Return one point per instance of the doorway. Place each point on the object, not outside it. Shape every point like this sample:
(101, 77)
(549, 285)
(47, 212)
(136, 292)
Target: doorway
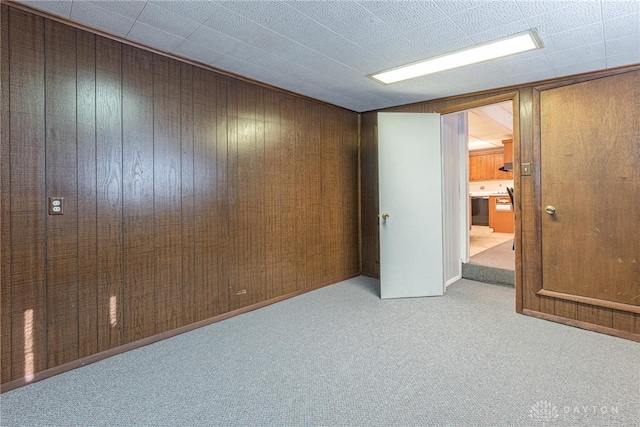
(490, 226)
(490, 142)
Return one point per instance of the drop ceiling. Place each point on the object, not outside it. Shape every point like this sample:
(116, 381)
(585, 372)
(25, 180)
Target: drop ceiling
(488, 126)
(325, 49)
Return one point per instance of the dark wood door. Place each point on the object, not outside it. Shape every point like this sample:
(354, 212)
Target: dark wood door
(590, 174)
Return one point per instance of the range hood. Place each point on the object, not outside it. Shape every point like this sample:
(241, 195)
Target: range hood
(508, 156)
(508, 167)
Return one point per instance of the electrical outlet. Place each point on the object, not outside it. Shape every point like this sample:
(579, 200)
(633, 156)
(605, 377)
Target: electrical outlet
(56, 205)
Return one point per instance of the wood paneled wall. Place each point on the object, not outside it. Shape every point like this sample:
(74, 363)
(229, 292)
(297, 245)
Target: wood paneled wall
(187, 194)
(528, 209)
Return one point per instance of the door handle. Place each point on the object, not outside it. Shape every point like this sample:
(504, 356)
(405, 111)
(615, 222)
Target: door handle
(551, 210)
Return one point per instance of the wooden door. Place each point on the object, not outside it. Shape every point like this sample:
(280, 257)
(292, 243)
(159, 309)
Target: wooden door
(590, 175)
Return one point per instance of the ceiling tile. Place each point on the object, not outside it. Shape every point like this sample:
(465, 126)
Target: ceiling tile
(453, 7)
(101, 19)
(239, 66)
(515, 66)
(191, 50)
(395, 51)
(624, 59)
(234, 25)
(58, 8)
(337, 70)
(578, 14)
(437, 32)
(622, 26)
(194, 10)
(541, 7)
(152, 36)
(129, 9)
(213, 40)
(622, 45)
(581, 67)
(349, 19)
(405, 16)
(616, 8)
(533, 75)
(167, 21)
(576, 56)
(499, 32)
(253, 55)
(487, 16)
(574, 38)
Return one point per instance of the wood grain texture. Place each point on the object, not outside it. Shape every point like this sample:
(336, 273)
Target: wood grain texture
(5, 201)
(484, 166)
(339, 186)
(625, 321)
(220, 86)
(178, 182)
(529, 220)
(87, 195)
(286, 175)
(582, 129)
(246, 228)
(312, 196)
(61, 180)
(206, 194)
(273, 196)
(27, 200)
(167, 178)
(595, 315)
(109, 193)
(138, 167)
(189, 296)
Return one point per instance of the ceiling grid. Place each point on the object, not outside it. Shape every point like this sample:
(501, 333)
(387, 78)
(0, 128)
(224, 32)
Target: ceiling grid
(326, 49)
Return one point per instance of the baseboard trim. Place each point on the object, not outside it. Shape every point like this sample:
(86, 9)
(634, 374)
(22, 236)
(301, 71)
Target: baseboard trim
(593, 301)
(583, 325)
(453, 279)
(48, 373)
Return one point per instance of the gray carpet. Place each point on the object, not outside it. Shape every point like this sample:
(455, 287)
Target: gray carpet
(500, 256)
(341, 356)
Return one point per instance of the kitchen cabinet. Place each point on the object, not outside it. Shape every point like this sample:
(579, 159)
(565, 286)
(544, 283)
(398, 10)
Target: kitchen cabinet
(483, 166)
(501, 214)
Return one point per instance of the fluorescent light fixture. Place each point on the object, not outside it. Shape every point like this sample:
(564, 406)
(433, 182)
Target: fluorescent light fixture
(517, 43)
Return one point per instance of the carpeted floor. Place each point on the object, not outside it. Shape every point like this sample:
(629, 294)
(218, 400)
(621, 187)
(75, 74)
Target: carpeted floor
(341, 356)
(500, 256)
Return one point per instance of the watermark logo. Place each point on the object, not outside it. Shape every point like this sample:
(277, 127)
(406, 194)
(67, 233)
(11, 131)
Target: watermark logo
(546, 412)
(543, 412)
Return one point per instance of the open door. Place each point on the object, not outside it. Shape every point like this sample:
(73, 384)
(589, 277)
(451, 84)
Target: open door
(410, 197)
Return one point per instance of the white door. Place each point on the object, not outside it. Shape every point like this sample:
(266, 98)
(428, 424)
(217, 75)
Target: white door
(410, 195)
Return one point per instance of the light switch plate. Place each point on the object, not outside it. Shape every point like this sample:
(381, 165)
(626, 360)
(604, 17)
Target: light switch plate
(525, 169)
(56, 205)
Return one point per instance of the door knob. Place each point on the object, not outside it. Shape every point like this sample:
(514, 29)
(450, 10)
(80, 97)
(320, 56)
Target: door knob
(551, 210)
(385, 216)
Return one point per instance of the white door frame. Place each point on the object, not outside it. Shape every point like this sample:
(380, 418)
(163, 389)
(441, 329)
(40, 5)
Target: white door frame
(464, 195)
